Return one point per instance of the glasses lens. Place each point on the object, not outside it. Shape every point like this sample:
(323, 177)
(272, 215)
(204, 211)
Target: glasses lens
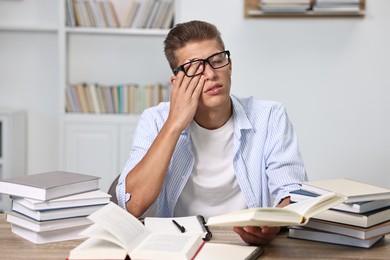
(191, 68)
(218, 60)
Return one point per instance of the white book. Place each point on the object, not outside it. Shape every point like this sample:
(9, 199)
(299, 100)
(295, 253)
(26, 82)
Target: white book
(321, 236)
(293, 214)
(49, 236)
(349, 230)
(353, 190)
(42, 215)
(96, 197)
(49, 185)
(41, 226)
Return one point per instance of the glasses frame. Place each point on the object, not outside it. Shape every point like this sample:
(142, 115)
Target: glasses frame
(181, 67)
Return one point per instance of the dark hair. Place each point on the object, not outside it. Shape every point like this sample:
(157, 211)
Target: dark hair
(183, 33)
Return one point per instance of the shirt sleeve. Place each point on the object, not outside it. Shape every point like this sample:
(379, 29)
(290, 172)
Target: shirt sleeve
(143, 139)
(284, 164)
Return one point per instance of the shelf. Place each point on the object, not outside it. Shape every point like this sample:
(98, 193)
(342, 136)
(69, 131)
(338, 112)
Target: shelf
(28, 28)
(116, 31)
(99, 118)
(259, 13)
(251, 10)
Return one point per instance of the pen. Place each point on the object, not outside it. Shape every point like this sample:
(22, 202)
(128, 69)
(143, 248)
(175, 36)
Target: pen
(180, 227)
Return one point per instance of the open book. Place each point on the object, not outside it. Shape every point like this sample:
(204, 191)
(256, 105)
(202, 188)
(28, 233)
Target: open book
(293, 214)
(116, 234)
(191, 224)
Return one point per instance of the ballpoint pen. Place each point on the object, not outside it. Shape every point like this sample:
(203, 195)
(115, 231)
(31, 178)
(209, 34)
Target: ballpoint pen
(180, 227)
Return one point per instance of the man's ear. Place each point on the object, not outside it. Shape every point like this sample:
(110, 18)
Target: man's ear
(173, 78)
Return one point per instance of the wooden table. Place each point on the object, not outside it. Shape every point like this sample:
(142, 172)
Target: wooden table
(13, 247)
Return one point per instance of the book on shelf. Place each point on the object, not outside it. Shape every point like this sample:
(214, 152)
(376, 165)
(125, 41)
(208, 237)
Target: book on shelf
(41, 226)
(293, 214)
(367, 219)
(88, 198)
(356, 207)
(116, 233)
(332, 238)
(49, 236)
(354, 191)
(349, 230)
(121, 98)
(284, 6)
(51, 214)
(49, 185)
(191, 224)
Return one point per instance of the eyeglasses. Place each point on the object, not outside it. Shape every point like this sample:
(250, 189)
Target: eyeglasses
(216, 61)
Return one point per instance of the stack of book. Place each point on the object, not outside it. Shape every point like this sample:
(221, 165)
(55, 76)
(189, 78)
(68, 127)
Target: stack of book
(284, 6)
(52, 206)
(344, 6)
(361, 221)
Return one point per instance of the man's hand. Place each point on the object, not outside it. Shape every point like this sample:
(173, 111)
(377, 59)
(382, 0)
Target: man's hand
(257, 235)
(185, 97)
(260, 235)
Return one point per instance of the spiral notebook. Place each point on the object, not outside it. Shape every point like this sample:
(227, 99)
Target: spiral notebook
(191, 224)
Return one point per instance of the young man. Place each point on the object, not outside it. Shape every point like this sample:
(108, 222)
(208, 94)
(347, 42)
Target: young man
(206, 151)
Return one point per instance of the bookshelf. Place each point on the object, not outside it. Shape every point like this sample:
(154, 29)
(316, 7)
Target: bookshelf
(90, 143)
(12, 148)
(99, 143)
(252, 10)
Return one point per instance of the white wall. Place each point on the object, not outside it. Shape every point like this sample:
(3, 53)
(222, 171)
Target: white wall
(29, 75)
(332, 74)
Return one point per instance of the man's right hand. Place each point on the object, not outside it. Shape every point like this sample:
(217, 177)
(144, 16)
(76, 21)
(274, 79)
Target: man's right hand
(185, 95)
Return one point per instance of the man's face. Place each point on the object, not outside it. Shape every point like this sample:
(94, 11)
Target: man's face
(216, 91)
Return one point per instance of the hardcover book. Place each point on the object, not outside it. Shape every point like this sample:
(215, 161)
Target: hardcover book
(353, 190)
(327, 237)
(49, 185)
(356, 207)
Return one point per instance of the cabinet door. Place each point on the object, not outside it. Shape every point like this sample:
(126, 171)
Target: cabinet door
(92, 149)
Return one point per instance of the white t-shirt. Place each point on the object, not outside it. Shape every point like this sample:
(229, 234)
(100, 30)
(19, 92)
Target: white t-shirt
(212, 189)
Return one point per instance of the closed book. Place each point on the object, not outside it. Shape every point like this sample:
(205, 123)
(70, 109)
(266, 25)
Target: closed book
(49, 185)
(332, 238)
(349, 230)
(356, 207)
(41, 226)
(353, 190)
(49, 236)
(88, 198)
(51, 214)
(365, 220)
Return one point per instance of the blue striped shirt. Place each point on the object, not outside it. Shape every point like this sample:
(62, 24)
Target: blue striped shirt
(266, 158)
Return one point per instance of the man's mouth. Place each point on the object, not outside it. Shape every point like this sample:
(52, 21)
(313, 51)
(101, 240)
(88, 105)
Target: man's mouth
(214, 87)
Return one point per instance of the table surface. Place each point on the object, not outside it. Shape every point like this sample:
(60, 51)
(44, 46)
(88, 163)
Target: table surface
(14, 247)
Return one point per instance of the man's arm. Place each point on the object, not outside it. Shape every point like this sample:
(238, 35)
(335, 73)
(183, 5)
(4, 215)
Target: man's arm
(145, 180)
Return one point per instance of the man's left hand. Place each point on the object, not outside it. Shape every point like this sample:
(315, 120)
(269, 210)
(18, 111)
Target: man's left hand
(257, 235)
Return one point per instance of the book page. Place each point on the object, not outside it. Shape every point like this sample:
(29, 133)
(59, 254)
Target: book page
(121, 224)
(97, 249)
(312, 206)
(167, 246)
(166, 226)
(211, 251)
